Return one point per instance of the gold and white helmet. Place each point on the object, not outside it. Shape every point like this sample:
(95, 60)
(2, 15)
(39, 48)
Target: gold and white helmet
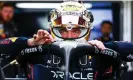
(71, 15)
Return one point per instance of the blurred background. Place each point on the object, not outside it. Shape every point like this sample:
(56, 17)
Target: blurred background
(31, 16)
(112, 20)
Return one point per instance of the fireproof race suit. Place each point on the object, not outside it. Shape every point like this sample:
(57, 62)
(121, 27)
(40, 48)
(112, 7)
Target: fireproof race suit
(49, 67)
(13, 45)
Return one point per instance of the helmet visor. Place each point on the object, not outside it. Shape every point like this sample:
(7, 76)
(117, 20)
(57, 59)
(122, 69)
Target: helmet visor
(70, 27)
(73, 33)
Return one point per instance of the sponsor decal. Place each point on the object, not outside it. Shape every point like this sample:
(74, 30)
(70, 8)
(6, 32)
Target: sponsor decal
(108, 52)
(71, 13)
(71, 7)
(13, 39)
(75, 75)
(32, 50)
(5, 41)
(8, 41)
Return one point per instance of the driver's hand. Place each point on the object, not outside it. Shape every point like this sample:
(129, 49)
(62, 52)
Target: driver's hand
(42, 37)
(97, 43)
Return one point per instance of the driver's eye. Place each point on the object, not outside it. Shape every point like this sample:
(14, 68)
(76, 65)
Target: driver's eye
(76, 31)
(63, 31)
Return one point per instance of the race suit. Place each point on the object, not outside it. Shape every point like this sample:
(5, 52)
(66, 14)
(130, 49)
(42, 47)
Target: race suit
(42, 67)
(49, 67)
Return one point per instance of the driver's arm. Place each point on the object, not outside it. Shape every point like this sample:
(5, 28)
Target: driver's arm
(13, 45)
(16, 44)
(124, 48)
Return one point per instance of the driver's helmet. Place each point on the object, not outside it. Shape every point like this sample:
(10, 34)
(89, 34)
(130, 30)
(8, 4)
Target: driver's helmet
(70, 20)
